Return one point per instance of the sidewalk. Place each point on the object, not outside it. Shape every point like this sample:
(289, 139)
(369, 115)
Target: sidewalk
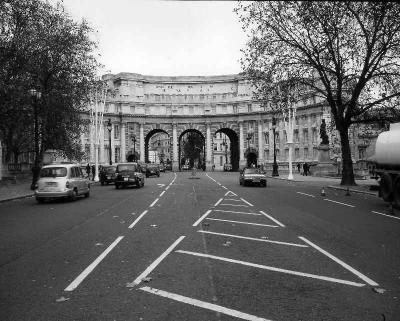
(21, 189)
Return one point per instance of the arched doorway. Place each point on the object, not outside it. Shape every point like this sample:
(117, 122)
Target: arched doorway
(251, 156)
(191, 152)
(161, 148)
(231, 157)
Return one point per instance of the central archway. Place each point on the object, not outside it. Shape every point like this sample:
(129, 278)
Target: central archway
(192, 151)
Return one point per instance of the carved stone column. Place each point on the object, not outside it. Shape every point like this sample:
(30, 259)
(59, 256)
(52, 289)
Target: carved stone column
(123, 148)
(260, 143)
(242, 160)
(141, 142)
(208, 147)
(175, 161)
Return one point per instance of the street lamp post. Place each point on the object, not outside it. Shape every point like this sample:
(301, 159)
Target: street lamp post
(109, 127)
(36, 95)
(274, 165)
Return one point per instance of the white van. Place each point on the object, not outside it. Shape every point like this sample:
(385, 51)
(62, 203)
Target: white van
(61, 180)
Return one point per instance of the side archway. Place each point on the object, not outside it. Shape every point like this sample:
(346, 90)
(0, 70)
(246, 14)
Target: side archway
(147, 140)
(234, 147)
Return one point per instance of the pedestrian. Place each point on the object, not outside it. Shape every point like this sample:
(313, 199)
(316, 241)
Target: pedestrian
(88, 170)
(305, 169)
(298, 167)
(93, 172)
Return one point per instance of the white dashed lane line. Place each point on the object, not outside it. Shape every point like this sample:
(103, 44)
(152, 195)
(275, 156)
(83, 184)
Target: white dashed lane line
(327, 199)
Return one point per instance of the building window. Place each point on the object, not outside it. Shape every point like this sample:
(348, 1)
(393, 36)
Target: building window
(266, 154)
(361, 152)
(249, 107)
(305, 136)
(116, 131)
(296, 153)
(315, 153)
(314, 135)
(286, 153)
(117, 155)
(220, 160)
(266, 138)
(191, 109)
(306, 153)
(296, 135)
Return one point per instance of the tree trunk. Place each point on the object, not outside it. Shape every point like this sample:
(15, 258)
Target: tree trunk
(347, 168)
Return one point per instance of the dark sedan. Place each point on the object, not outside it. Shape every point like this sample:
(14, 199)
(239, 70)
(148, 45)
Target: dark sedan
(152, 170)
(107, 174)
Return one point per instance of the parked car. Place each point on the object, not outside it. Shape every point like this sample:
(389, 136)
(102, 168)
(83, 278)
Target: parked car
(107, 174)
(152, 170)
(61, 181)
(162, 168)
(185, 167)
(168, 167)
(227, 167)
(128, 174)
(252, 176)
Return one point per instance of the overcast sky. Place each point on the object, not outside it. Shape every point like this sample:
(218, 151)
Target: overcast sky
(164, 38)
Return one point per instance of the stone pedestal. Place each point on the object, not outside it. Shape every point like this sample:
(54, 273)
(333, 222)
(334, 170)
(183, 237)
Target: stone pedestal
(325, 167)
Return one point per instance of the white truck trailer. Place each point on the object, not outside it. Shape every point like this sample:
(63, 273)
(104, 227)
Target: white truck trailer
(387, 164)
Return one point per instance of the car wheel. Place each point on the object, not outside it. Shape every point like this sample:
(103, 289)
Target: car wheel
(40, 200)
(74, 195)
(116, 186)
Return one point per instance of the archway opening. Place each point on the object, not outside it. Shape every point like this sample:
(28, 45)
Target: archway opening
(226, 149)
(192, 150)
(158, 147)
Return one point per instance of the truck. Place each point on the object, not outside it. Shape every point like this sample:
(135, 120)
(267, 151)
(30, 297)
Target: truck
(386, 164)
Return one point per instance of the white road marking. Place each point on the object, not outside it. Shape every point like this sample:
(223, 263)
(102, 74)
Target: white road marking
(232, 199)
(271, 268)
(153, 265)
(346, 266)
(92, 266)
(219, 201)
(327, 199)
(224, 187)
(202, 218)
(391, 216)
(252, 238)
(305, 194)
(230, 193)
(248, 213)
(138, 219)
(167, 188)
(240, 222)
(246, 202)
(202, 304)
(156, 200)
(161, 185)
(162, 193)
(226, 204)
(273, 219)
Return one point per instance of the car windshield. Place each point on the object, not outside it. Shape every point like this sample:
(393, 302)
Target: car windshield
(110, 169)
(252, 171)
(127, 167)
(53, 172)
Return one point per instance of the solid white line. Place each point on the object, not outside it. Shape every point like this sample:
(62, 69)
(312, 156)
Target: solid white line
(92, 266)
(252, 238)
(305, 194)
(232, 199)
(167, 188)
(391, 216)
(226, 204)
(224, 187)
(162, 194)
(202, 218)
(270, 268)
(240, 222)
(153, 265)
(273, 219)
(246, 202)
(202, 304)
(327, 199)
(219, 201)
(152, 204)
(138, 219)
(346, 266)
(248, 213)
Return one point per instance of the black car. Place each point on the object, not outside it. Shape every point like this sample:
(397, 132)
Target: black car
(107, 174)
(152, 170)
(129, 174)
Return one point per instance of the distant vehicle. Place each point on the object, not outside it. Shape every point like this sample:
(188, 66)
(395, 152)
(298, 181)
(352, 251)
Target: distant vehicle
(61, 181)
(386, 164)
(227, 167)
(129, 174)
(107, 174)
(168, 167)
(185, 167)
(252, 176)
(152, 170)
(162, 168)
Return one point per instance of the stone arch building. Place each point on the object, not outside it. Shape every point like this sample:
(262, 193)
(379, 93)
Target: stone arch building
(144, 105)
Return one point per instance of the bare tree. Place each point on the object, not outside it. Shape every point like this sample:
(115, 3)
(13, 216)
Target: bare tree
(344, 52)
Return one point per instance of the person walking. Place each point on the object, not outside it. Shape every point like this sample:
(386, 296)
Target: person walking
(88, 170)
(93, 172)
(298, 167)
(305, 169)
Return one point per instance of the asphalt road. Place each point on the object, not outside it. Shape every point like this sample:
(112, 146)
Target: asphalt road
(201, 248)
